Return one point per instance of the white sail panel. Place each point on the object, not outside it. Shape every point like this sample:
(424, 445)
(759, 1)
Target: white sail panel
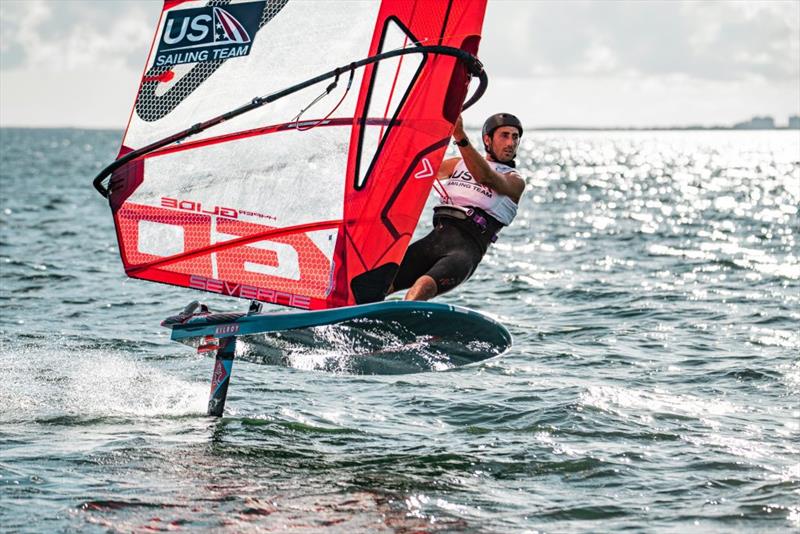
(284, 50)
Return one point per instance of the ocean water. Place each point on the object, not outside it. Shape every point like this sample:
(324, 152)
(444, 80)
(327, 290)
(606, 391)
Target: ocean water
(651, 282)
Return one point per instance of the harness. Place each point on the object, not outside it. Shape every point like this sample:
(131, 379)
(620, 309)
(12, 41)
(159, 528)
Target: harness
(486, 225)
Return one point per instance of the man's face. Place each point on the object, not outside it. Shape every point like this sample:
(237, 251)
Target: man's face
(504, 143)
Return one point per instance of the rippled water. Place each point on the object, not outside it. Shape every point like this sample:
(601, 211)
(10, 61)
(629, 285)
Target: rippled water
(651, 283)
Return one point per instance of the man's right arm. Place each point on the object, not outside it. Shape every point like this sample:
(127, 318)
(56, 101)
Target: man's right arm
(509, 184)
(447, 167)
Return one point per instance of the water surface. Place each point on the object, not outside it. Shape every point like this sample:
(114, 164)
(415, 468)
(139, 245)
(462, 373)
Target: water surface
(651, 283)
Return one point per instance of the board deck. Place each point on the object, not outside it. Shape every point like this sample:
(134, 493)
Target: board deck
(395, 337)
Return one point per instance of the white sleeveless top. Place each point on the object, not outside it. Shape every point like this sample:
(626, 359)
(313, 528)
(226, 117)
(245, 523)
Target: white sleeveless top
(463, 191)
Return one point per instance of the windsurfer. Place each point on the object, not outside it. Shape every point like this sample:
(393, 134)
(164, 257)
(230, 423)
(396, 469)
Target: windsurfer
(480, 197)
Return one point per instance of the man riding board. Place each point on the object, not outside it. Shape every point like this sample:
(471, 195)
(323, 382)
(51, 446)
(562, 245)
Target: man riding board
(480, 197)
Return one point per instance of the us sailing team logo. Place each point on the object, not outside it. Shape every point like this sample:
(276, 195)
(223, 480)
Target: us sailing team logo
(206, 36)
(208, 33)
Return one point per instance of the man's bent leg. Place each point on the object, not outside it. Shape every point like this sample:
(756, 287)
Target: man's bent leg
(419, 257)
(423, 289)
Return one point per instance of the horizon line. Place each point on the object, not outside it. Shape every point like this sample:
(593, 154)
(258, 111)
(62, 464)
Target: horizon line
(472, 127)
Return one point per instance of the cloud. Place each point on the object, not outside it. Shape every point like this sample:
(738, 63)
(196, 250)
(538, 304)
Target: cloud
(65, 36)
(71, 63)
(595, 63)
(702, 40)
(662, 101)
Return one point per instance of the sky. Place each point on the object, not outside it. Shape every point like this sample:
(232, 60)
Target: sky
(573, 63)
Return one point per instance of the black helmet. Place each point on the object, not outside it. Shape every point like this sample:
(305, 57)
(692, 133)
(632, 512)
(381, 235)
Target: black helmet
(501, 119)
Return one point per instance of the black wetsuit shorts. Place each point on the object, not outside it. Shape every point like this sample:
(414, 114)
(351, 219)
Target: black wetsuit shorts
(449, 255)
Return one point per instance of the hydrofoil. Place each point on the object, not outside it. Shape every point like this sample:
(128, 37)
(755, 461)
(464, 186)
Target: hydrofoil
(394, 337)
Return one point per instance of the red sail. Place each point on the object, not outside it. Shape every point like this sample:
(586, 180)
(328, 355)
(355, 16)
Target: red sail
(313, 211)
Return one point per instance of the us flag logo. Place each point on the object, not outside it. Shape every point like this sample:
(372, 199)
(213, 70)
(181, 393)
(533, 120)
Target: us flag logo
(210, 33)
(227, 28)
